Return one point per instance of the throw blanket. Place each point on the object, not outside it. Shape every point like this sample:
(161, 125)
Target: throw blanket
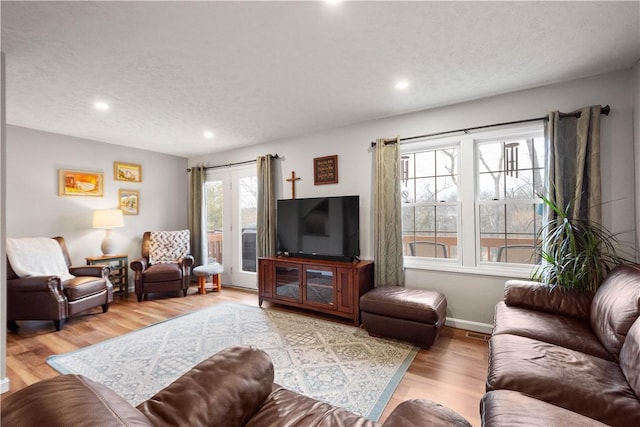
(168, 246)
(37, 256)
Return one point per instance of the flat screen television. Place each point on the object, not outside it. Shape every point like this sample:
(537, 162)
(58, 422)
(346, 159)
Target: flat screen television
(320, 227)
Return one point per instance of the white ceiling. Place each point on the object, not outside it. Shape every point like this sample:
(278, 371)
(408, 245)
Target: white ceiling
(254, 72)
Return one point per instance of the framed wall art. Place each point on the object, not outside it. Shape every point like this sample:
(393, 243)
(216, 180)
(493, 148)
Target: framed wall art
(325, 170)
(127, 172)
(80, 183)
(129, 202)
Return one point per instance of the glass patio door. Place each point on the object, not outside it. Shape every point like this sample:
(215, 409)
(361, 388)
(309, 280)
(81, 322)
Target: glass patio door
(231, 208)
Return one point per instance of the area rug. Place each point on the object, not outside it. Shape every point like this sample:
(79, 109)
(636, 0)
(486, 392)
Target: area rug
(335, 363)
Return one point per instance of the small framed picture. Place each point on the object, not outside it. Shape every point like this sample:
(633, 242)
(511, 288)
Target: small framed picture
(79, 183)
(325, 170)
(129, 201)
(127, 172)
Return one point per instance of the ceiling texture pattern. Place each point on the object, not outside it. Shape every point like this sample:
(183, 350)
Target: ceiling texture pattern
(254, 72)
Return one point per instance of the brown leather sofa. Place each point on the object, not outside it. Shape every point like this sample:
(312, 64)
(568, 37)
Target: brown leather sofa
(232, 388)
(49, 298)
(558, 359)
(166, 277)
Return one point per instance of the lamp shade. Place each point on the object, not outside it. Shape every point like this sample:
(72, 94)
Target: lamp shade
(108, 218)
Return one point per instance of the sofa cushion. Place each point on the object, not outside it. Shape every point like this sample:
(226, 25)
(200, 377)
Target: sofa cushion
(616, 305)
(586, 384)
(630, 357)
(420, 412)
(565, 331)
(168, 246)
(69, 400)
(506, 408)
(162, 273)
(286, 408)
(226, 389)
(83, 286)
(543, 297)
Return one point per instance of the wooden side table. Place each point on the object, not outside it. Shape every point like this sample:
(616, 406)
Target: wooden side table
(119, 264)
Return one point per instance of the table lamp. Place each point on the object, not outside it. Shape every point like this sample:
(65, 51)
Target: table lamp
(108, 219)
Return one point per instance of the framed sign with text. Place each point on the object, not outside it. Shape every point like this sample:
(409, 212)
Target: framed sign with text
(325, 170)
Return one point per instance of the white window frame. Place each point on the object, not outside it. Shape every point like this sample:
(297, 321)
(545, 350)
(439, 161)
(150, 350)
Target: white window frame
(435, 145)
(468, 207)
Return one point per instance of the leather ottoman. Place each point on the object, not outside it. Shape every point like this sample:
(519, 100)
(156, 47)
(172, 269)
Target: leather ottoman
(406, 314)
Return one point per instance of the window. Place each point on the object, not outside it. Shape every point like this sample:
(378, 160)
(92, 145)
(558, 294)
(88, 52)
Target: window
(510, 175)
(430, 203)
(214, 205)
(472, 201)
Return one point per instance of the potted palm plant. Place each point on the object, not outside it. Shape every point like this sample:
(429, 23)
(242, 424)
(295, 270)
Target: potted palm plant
(574, 253)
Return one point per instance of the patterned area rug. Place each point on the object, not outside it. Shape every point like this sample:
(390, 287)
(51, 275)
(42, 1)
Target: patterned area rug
(338, 364)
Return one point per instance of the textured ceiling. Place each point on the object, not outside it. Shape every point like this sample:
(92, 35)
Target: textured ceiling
(254, 72)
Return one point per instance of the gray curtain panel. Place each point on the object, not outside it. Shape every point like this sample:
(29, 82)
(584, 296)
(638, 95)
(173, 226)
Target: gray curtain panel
(387, 227)
(266, 222)
(197, 226)
(574, 163)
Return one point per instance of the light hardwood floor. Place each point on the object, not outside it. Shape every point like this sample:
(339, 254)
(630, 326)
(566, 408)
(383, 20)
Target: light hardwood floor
(452, 372)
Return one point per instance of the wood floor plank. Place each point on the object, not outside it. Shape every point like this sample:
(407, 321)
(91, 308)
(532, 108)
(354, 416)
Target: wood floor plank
(452, 372)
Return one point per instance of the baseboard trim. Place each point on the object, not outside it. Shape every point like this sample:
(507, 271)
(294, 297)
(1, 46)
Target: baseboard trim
(4, 385)
(469, 325)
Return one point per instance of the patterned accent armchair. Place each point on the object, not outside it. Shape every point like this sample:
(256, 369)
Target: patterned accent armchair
(52, 298)
(165, 264)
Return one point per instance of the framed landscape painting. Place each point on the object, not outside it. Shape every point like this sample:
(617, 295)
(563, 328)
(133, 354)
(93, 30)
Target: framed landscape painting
(127, 172)
(129, 202)
(80, 183)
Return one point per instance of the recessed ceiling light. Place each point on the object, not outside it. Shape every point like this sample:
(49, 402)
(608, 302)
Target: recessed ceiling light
(402, 84)
(101, 105)
(208, 134)
(333, 1)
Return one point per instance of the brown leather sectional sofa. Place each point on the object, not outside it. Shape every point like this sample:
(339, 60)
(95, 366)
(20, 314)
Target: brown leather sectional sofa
(232, 388)
(558, 359)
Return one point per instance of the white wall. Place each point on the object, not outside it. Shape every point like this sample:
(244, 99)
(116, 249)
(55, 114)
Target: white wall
(35, 209)
(470, 297)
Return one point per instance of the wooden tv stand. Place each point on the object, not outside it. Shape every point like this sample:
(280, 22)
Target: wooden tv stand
(331, 287)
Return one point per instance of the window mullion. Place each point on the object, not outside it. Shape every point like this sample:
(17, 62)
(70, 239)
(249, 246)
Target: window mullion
(466, 248)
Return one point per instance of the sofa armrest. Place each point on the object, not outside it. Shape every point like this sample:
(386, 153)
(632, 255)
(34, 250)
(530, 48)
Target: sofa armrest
(543, 297)
(36, 297)
(139, 265)
(69, 400)
(226, 389)
(418, 412)
(187, 261)
(91, 270)
(185, 265)
(34, 284)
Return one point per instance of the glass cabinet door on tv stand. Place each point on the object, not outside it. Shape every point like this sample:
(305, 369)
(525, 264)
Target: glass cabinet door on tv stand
(318, 283)
(287, 282)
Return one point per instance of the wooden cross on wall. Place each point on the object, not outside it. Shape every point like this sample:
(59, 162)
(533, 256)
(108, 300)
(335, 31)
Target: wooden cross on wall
(293, 180)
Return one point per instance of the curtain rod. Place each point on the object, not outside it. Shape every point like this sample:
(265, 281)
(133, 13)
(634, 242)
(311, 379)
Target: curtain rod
(275, 156)
(604, 110)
